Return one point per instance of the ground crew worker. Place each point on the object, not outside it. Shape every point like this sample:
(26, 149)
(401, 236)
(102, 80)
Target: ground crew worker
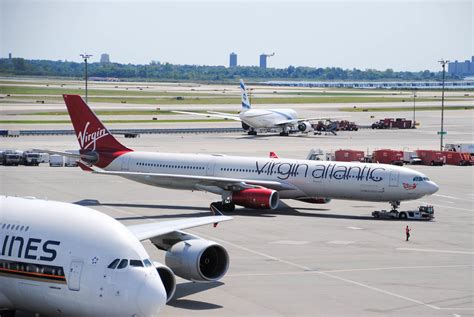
(407, 231)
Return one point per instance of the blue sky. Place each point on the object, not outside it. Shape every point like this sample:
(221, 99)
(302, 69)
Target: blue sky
(402, 35)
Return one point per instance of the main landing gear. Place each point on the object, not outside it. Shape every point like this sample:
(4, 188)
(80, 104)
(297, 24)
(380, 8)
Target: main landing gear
(223, 206)
(400, 214)
(252, 132)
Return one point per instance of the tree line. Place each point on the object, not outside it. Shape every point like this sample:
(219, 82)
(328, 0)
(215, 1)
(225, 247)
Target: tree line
(156, 71)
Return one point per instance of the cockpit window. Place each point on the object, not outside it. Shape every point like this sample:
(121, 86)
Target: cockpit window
(136, 263)
(113, 264)
(123, 264)
(420, 179)
(147, 263)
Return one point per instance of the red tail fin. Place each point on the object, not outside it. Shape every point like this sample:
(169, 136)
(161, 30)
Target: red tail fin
(91, 133)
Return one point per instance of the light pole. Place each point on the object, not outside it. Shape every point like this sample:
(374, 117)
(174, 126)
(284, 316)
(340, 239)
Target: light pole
(86, 57)
(414, 96)
(441, 133)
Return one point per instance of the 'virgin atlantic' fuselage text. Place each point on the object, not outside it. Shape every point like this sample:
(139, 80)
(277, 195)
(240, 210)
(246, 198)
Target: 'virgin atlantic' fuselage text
(320, 171)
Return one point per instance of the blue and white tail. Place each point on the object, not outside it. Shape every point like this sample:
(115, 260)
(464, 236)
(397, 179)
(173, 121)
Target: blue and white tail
(245, 99)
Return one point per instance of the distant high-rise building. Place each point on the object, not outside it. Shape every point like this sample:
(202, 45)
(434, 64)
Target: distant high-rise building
(233, 60)
(104, 58)
(263, 59)
(461, 68)
(9, 55)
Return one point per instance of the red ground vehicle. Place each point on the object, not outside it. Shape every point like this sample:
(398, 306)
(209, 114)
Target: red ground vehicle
(349, 155)
(386, 156)
(431, 157)
(458, 158)
(345, 125)
(389, 123)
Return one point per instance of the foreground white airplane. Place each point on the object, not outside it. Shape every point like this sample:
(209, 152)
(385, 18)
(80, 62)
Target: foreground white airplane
(253, 182)
(61, 259)
(254, 119)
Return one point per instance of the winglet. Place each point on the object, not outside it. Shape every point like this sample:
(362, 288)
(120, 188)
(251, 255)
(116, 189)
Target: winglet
(214, 211)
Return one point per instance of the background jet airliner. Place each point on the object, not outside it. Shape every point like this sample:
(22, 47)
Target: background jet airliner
(254, 119)
(252, 182)
(61, 259)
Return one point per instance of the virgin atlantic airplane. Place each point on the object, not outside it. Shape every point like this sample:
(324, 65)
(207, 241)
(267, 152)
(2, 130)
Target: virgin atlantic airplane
(252, 182)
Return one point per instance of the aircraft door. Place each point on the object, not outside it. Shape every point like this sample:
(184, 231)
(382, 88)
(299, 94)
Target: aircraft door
(75, 272)
(393, 182)
(210, 168)
(125, 162)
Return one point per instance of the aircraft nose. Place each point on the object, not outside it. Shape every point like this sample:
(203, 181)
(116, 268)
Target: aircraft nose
(151, 297)
(432, 188)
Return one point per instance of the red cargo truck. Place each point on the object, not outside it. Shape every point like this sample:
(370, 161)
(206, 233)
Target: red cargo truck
(386, 156)
(431, 157)
(458, 158)
(349, 155)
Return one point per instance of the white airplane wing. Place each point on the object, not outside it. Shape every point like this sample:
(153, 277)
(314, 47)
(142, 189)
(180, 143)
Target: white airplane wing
(212, 114)
(231, 184)
(150, 230)
(296, 121)
(67, 154)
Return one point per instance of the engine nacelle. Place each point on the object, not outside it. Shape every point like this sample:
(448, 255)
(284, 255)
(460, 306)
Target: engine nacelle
(256, 198)
(305, 126)
(315, 200)
(167, 278)
(198, 260)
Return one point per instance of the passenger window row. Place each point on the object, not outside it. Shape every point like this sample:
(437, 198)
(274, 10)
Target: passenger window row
(6, 226)
(171, 166)
(225, 169)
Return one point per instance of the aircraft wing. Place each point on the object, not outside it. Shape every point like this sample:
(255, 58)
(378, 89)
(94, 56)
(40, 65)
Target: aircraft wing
(296, 121)
(200, 182)
(67, 154)
(212, 114)
(150, 230)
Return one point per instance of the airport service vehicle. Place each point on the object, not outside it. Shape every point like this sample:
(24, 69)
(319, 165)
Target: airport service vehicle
(390, 123)
(422, 213)
(60, 259)
(410, 157)
(285, 120)
(386, 156)
(349, 155)
(431, 157)
(30, 158)
(460, 147)
(56, 160)
(44, 158)
(11, 159)
(458, 158)
(252, 182)
(345, 125)
(71, 161)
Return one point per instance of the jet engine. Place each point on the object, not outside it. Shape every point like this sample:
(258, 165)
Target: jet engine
(315, 200)
(198, 260)
(256, 198)
(167, 278)
(305, 126)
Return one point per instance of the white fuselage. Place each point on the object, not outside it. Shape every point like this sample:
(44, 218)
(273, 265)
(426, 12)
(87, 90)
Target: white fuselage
(54, 261)
(267, 118)
(308, 179)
